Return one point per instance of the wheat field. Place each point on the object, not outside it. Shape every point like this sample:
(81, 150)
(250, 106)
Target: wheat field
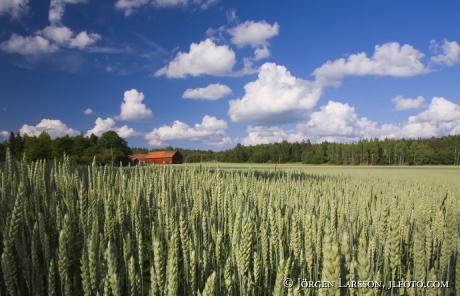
(211, 230)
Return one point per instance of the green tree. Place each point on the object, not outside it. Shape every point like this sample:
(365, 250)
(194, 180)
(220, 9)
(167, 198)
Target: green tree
(308, 154)
(320, 153)
(79, 146)
(61, 146)
(239, 154)
(42, 149)
(3, 147)
(113, 149)
(16, 145)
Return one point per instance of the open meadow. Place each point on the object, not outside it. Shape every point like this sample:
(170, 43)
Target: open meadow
(228, 229)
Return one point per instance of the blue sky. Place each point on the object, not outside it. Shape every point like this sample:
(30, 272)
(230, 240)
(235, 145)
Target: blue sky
(209, 74)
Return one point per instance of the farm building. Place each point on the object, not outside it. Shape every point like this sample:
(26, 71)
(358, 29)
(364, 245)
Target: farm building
(158, 157)
(138, 158)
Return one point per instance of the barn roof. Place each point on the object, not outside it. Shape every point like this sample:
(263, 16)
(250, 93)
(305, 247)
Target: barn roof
(138, 156)
(161, 154)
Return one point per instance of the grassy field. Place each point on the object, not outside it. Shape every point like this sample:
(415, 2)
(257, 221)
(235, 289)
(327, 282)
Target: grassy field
(436, 172)
(228, 229)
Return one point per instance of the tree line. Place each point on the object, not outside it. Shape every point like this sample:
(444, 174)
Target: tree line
(389, 151)
(110, 148)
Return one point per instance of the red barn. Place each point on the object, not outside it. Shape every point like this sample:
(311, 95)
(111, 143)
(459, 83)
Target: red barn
(138, 158)
(164, 157)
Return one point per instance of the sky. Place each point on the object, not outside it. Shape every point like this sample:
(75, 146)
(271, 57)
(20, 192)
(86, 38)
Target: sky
(209, 74)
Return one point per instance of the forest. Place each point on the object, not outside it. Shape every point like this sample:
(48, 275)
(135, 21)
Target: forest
(110, 148)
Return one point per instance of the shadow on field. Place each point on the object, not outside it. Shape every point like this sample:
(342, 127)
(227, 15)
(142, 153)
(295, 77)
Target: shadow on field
(279, 175)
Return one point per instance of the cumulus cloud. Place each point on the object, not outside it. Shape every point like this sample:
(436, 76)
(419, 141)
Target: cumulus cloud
(54, 127)
(104, 125)
(88, 111)
(265, 134)
(61, 34)
(405, 104)
(15, 8)
(129, 6)
(440, 110)
(389, 59)
(126, 132)
(57, 9)
(84, 39)
(275, 97)
(253, 33)
(203, 58)
(441, 118)
(205, 4)
(339, 122)
(168, 3)
(261, 53)
(231, 15)
(48, 40)
(211, 92)
(4, 134)
(133, 109)
(52, 37)
(450, 55)
(29, 45)
(211, 131)
(58, 34)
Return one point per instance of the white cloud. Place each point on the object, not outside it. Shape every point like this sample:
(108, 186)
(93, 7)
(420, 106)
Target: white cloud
(105, 125)
(15, 8)
(57, 9)
(275, 97)
(211, 132)
(231, 15)
(33, 45)
(253, 33)
(339, 122)
(55, 128)
(4, 134)
(126, 132)
(405, 104)
(441, 118)
(28, 45)
(248, 68)
(440, 110)
(88, 111)
(51, 37)
(261, 53)
(205, 4)
(211, 92)
(129, 6)
(389, 59)
(264, 135)
(334, 119)
(204, 58)
(83, 39)
(450, 55)
(59, 34)
(169, 3)
(132, 108)
(102, 126)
